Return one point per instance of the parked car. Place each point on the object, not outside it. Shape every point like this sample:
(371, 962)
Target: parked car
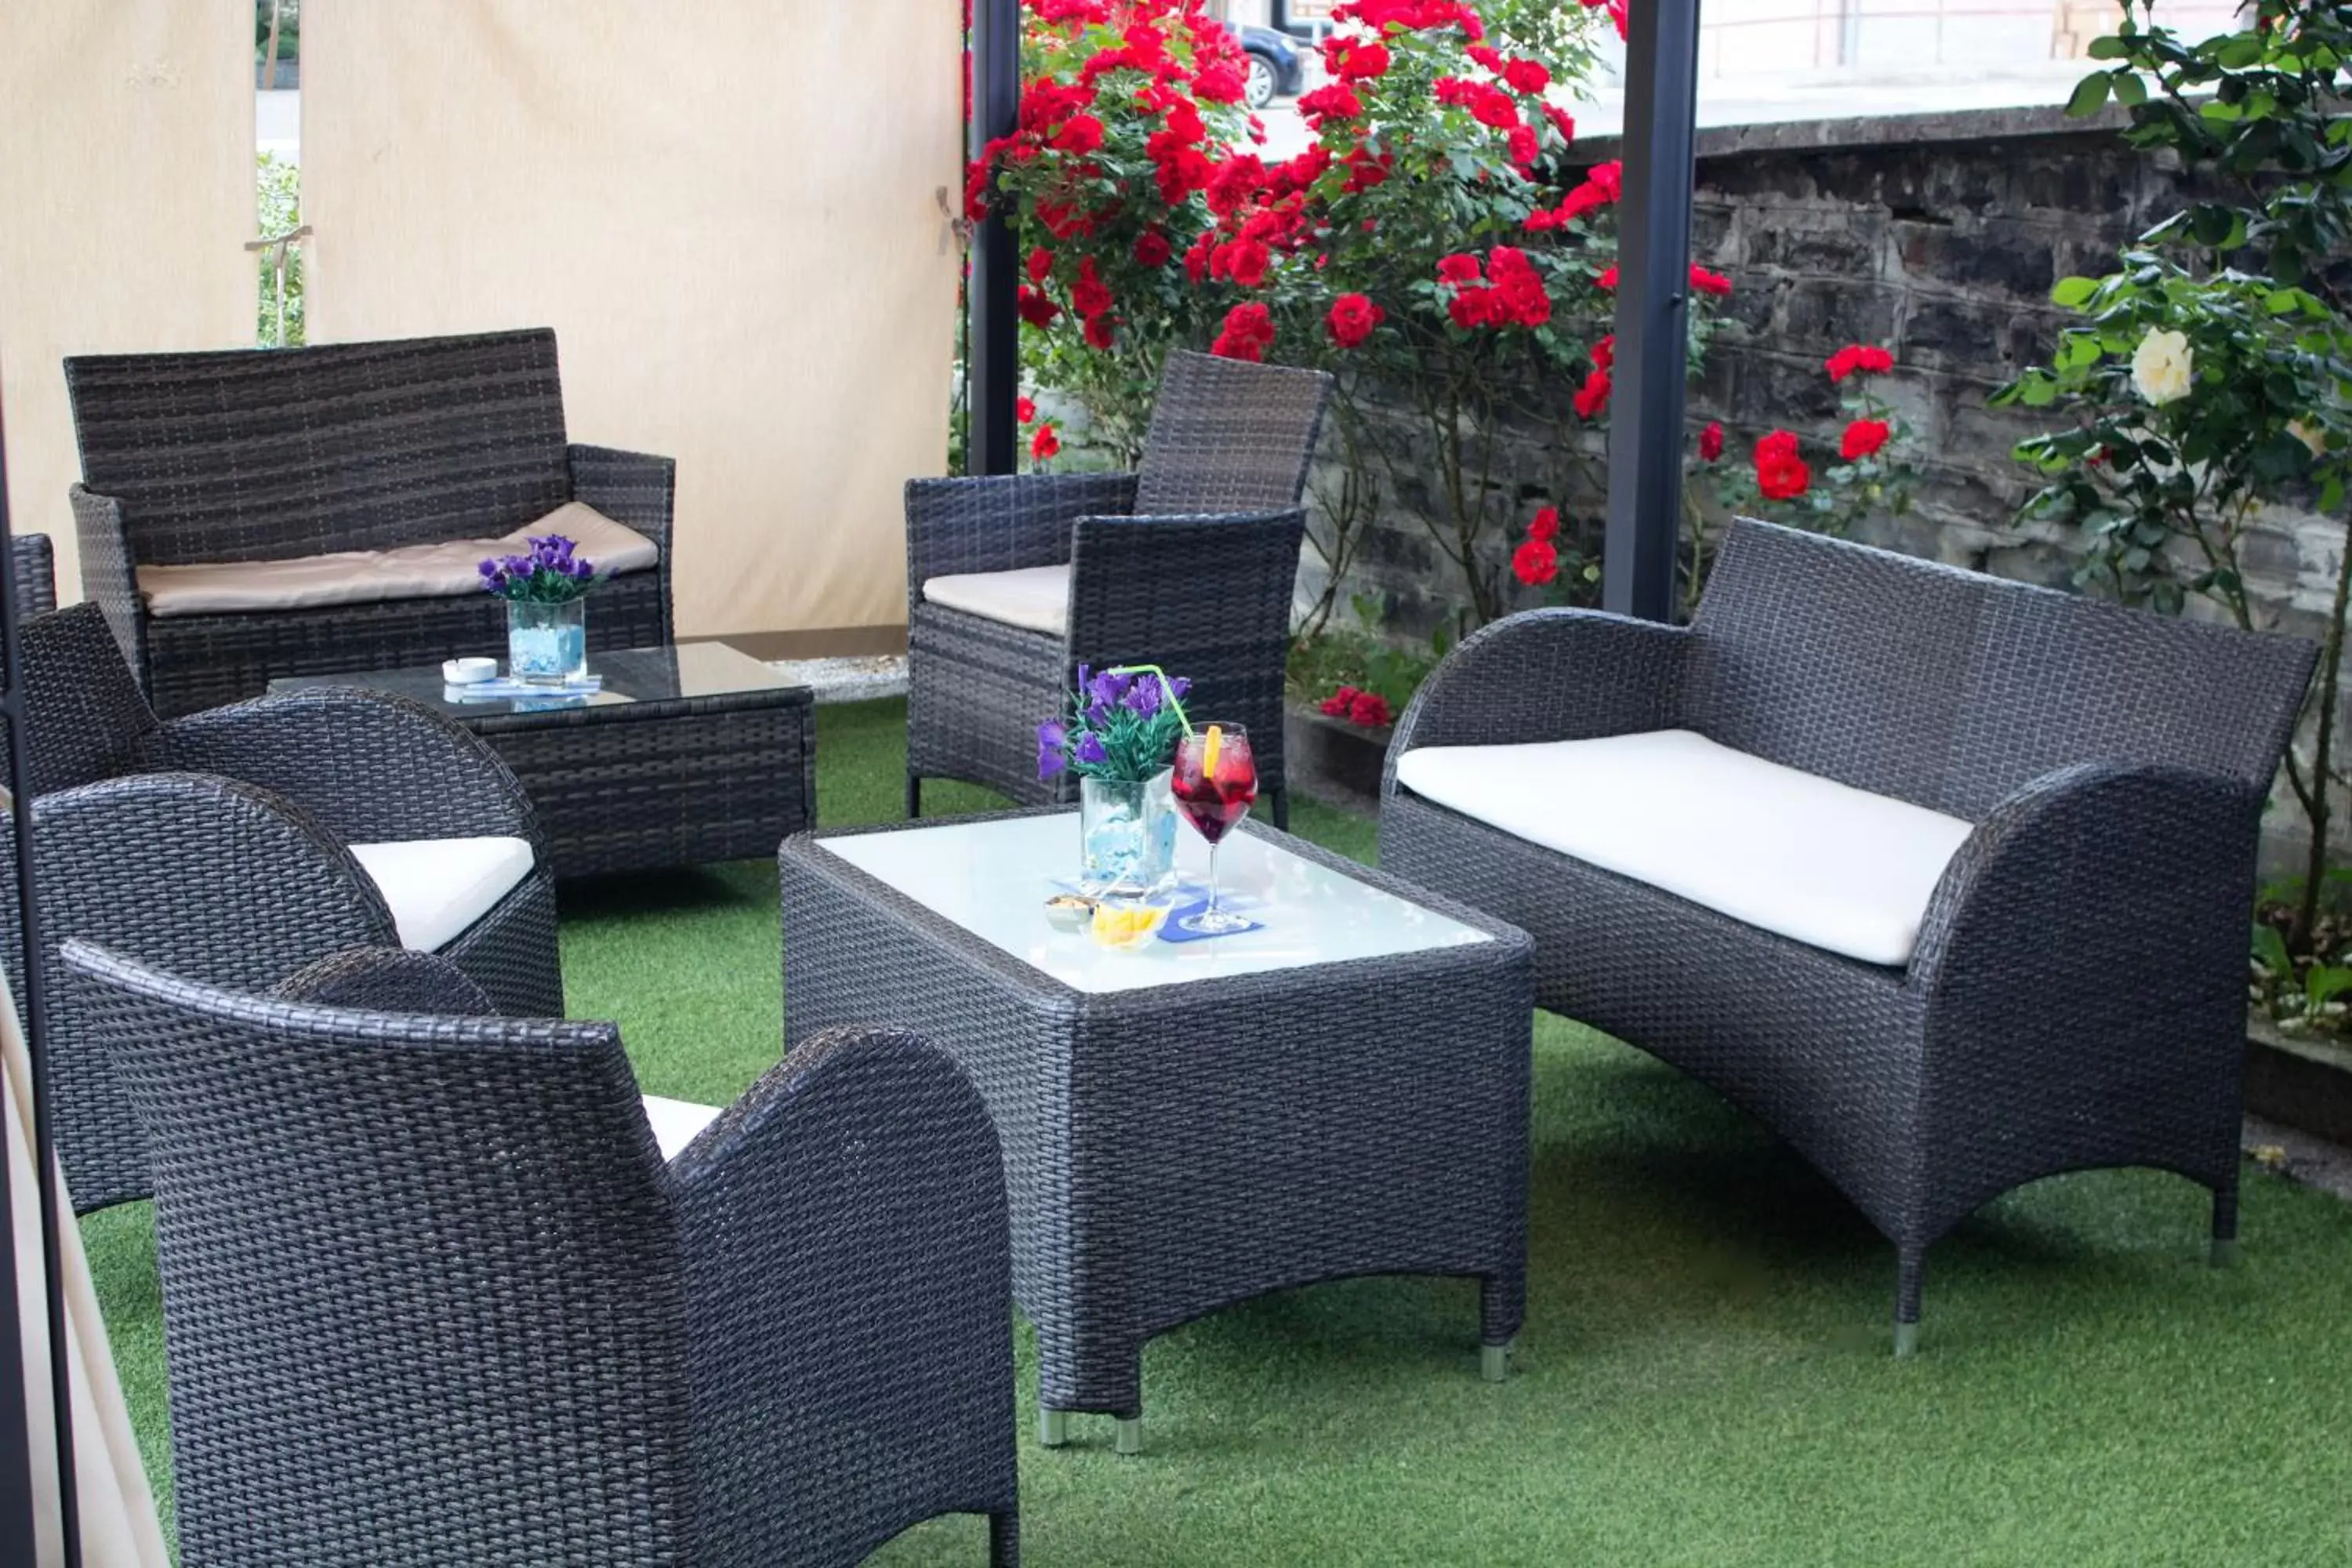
(1277, 67)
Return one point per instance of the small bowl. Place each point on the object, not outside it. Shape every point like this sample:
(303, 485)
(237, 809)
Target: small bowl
(468, 671)
(1127, 925)
(1068, 911)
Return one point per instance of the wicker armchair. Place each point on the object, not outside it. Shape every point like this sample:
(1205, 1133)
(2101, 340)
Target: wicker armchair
(2073, 995)
(432, 1296)
(275, 453)
(37, 574)
(1189, 564)
(229, 845)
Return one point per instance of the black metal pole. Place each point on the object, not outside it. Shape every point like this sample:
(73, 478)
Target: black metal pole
(15, 1406)
(1653, 224)
(993, 331)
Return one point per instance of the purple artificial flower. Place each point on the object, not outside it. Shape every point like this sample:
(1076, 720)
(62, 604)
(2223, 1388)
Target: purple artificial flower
(1090, 748)
(1180, 686)
(1107, 689)
(1143, 697)
(1053, 749)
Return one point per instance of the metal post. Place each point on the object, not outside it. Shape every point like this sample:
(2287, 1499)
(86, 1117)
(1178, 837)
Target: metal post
(992, 334)
(1653, 223)
(15, 1406)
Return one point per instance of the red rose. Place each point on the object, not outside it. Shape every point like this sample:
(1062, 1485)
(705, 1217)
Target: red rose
(1520, 146)
(1089, 296)
(1492, 107)
(1045, 443)
(1369, 709)
(1604, 352)
(1863, 437)
(1041, 265)
(1152, 248)
(1332, 101)
(1081, 135)
(1219, 83)
(1036, 309)
(1462, 269)
(1339, 701)
(1026, 410)
(1710, 442)
(1486, 55)
(1527, 75)
(1473, 308)
(1780, 473)
(1352, 319)
(1707, 282)
(1545, 524)
(1098, 332)
(1242, 260)
(1354, 60)
(1608, 278)
(1248, 330)
(1535, 562)
(1560, 121)
(1593, 396)
(1867, 358)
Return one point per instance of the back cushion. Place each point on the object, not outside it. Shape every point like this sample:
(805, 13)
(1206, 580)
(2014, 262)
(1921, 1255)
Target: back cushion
(1839, 660)
(265, 454)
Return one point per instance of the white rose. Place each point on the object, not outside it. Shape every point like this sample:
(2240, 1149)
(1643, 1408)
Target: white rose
(2161, 367)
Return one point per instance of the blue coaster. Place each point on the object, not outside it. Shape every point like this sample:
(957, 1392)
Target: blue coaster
(1174, 932)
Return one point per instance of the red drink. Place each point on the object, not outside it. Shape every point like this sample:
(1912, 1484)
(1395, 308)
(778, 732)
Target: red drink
(1215, 783)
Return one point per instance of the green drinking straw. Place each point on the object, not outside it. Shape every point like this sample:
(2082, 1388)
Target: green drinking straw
(1166, 689)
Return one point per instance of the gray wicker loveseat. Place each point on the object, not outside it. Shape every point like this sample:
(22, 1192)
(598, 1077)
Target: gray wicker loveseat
(256, 513)
(1945, 879)
(432, 1294)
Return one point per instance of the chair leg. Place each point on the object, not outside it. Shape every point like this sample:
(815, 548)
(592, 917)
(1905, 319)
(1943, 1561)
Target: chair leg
(1282, 811)
(914, 797)
(2225, 1224)
(1911, 1263)
(1004, 1540)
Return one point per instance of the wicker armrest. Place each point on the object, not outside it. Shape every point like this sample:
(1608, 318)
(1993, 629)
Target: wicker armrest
(1002, 523)
(634, 488)
(109, 572)
(33, 565)
(1547, 674)
(371, 766)
(849, 1290)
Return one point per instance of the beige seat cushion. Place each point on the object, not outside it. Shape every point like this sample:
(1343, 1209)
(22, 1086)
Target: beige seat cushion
(1803, 857)
(1034, 598)
(438, 571)
(437, 888)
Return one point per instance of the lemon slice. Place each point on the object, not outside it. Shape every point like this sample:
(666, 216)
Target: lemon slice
(1215, 743)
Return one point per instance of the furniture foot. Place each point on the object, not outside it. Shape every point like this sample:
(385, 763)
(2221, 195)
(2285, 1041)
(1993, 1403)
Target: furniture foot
(2225, 1227)
(1911, 1265)
(1053, 1427)
(1906, 1341)
(1281, 810)
(914, 797)
(1494, 1362)
(1004, 1540)
(1131, 1434)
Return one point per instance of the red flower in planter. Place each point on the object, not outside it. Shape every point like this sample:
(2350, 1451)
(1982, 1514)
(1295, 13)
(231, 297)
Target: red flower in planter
(1710, 442)
(1780, 473)
(1593, 396)
(1863, 437)
(1338, 703)
(1530, 77)
(1867, 358)
(1352, 319)
(1545, 524)
(1370, 709)
(1045, 443)
(1248, 331)
(1536, 562)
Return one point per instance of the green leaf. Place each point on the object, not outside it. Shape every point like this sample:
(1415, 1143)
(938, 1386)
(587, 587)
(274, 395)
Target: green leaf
(2270, 951)
(2090, 95)
(2107, 50)
(2130, 91)
(2324, 985)
(2074, 293)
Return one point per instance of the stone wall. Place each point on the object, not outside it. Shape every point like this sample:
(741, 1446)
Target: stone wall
(1938, 236)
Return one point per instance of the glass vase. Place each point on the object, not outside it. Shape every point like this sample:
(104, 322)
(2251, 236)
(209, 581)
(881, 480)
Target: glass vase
(1126, 833)
(547, 644)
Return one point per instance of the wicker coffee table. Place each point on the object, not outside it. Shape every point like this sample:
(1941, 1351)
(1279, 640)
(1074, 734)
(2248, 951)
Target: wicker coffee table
(1343, 1092)
(689, 754)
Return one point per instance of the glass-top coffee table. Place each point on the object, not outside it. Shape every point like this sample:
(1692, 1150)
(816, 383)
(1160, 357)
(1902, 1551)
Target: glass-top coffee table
(1342, 1092)
(689, 754)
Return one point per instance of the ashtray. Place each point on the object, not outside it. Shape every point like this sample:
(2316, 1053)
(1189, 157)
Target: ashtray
(468, 671)
(1068, 911)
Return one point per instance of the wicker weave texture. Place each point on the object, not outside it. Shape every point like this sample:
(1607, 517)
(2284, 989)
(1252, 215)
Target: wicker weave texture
(1189, 564)
(1171, 1150)
(214, 845)
(432, 1297)
(35, 573)
(2076, 997)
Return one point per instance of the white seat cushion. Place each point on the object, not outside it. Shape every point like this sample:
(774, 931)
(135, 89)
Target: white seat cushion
(436, 887)
(1804, 856)
(1034, 598)
(677, 1122)
(442, 570)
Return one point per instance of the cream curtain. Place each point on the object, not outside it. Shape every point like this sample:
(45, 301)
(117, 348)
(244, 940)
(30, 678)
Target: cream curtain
(119, 1529)
(731, 213)
(126, 198)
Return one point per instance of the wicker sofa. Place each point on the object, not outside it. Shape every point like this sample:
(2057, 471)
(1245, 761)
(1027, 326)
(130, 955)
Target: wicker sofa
(1013, 580)
(433, 1295)
(348, 462)
(1946, 879)
(236, 845)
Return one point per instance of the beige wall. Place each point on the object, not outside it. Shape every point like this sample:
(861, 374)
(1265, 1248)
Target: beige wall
(727, 212)
(126, 197)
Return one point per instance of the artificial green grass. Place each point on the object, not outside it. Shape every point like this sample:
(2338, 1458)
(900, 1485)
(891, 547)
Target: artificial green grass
(1704, 1376)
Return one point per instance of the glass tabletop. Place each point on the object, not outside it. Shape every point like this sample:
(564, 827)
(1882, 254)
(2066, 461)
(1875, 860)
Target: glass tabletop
(992, 878)
(681, 672)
